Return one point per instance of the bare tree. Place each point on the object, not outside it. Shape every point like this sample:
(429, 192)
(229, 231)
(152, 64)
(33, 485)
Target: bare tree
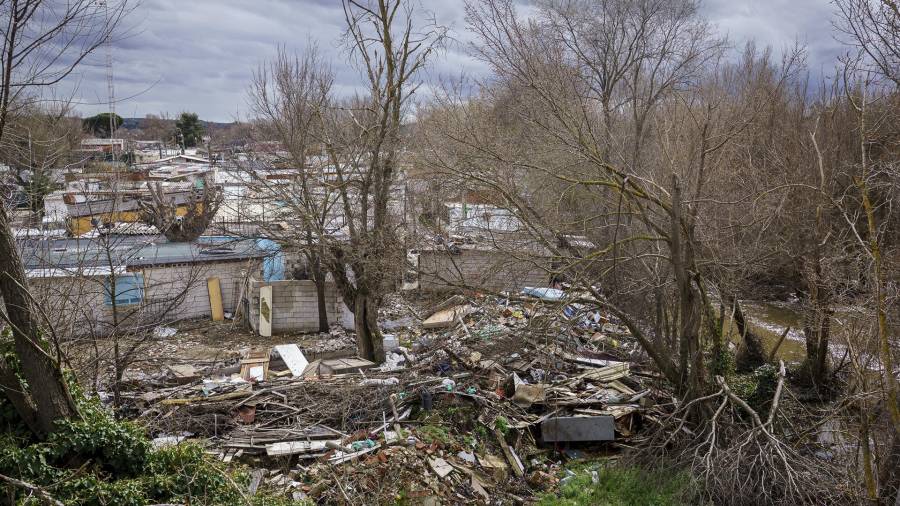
(38, 147)
(43, 42)
(644, 209)
(162, 212)
(288, 99)
(361, 139)
(873, 26)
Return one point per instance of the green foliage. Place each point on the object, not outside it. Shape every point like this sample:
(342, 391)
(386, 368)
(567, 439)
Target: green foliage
(99, 125)
(184, 471)
(502, 425)
(434, 434)
(99, 460)
(722, 362)
(757, 387)
(120, 447)
(189, 128)
(482, 432)
(766, 377)
(11, 423)
(620, 486)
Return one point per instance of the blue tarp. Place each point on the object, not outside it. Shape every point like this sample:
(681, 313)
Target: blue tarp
(273, 263)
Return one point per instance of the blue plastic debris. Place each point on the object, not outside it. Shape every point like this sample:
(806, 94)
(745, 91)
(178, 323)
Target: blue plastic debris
(362, 445)
(544, 293)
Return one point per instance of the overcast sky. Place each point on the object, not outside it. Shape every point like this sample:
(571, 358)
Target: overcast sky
(199, 55)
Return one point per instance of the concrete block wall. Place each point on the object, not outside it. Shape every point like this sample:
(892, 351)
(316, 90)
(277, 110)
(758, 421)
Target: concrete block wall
(74, 306)
(490, 270)
(165, 282)
(295, 305)
(77, 306)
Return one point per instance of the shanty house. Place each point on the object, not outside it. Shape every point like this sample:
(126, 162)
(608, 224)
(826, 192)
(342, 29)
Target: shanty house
(105, 283)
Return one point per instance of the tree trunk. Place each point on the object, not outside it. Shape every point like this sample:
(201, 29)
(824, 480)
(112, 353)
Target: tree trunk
(21, 402)
(817, 322)
(318, 275)
(368, 337)
(889, 477)
(47, 387)
(751, 353)
(690, 354)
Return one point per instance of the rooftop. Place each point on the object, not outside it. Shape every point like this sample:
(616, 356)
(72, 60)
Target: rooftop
(132, 251)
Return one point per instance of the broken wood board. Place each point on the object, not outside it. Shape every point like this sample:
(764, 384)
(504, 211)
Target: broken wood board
(215, 299)
(341, 457)
(592, 362)
(446, 317)
(256, 477)
(455, 300)
(440, 467)
(255, 365)
(265, 311)
(293, 358)
(312, 370)
(605, 374)
(621, 387)
(524, 394)
(344, 365)
(496, 466)
(511, 456)
(578, 429)
(297, 447)
(183, 373)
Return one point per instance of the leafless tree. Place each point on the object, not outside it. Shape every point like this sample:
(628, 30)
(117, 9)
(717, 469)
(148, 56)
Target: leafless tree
(873, 27)
(363, 151)
(162, 212)
(644, 200)
(43, 42)
(38, 147)
(288, 99)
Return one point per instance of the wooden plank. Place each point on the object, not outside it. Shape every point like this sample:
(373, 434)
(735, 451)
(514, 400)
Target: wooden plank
(215, 299)
(511, 456)
(265, 311)
(345, 365)
(296, 447)
(293, 358)
(256, 478)
(341, 457)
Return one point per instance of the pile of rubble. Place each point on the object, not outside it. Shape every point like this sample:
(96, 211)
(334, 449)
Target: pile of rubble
(479, 401)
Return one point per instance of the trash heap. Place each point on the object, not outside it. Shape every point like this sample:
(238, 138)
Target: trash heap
(480, 399)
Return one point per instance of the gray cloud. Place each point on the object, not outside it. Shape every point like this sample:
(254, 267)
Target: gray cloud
(199, 55)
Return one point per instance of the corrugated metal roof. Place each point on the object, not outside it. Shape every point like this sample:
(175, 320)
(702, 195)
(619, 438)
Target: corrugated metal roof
(133, 251)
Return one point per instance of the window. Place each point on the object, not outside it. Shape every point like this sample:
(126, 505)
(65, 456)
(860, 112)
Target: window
(129, 290)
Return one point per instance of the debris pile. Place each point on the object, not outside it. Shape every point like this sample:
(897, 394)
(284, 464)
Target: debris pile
(479, 399)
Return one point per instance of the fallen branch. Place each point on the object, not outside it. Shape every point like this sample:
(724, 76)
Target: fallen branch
(778, 344)
(777, 396)
(42, 494)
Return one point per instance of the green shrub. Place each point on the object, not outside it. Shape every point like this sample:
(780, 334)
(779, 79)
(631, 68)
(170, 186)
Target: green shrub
(119, 447)
(100, 461)
(620, 486)
(434, 434)
(185, 472)
(766, 379)
(502, 425)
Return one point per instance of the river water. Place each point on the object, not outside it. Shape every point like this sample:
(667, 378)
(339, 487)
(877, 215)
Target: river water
(770, 319)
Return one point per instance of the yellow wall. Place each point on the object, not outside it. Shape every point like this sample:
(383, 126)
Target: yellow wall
(82, 225)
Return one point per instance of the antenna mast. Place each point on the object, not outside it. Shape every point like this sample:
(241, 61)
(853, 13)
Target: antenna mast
(110, 87)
